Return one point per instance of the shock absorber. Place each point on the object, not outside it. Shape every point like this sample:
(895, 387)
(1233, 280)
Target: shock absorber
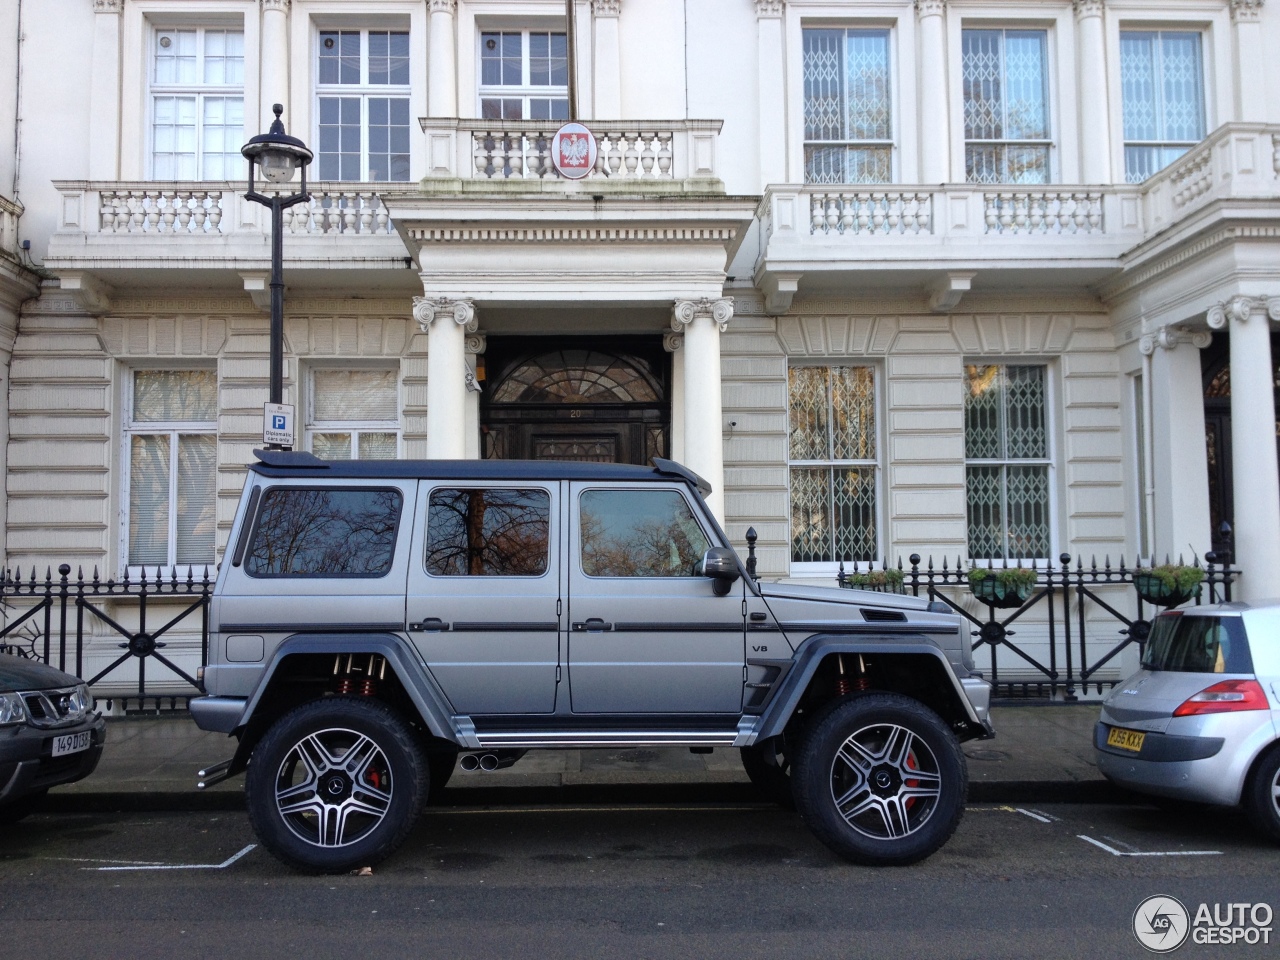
(861, 683)
(844, 684)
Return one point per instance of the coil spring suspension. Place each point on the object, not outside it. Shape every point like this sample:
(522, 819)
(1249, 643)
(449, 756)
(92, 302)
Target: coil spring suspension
(359, 674)
(846, 684)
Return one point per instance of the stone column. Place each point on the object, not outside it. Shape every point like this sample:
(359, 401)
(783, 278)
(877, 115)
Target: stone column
(446, 322)
(104, 92)
(274, 59)
(935, 108)
(1180, 471)
(1095, 128)
(672, 342)
(1251, 91)
(607, 60)
(442, 61)
(702, 321)
(771, 97)
(474, 345)
(1255, 477)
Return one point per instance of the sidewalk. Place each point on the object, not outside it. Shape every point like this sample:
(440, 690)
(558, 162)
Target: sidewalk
(1040, 754)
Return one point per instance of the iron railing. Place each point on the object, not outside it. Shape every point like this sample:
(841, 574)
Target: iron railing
(1077, 648)
(59, 620)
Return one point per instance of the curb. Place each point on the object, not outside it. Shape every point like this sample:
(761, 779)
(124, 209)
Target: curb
(695, 794)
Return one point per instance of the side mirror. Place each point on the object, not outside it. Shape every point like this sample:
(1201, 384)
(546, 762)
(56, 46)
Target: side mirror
(721, 565)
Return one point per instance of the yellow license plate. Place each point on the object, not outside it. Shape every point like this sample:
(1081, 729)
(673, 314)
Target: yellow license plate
(1126, 739)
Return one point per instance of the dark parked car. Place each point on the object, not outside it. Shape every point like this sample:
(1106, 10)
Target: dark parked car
(49, 733)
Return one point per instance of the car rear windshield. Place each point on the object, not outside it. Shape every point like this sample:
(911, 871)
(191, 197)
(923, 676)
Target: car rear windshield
(1197, 645)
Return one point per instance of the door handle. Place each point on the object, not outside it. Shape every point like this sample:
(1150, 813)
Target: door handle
(593, 625)
(431, 624)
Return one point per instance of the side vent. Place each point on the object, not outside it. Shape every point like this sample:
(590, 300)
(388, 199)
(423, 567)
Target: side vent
(883, 616)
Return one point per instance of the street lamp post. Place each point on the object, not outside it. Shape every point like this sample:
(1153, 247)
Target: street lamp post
(277, 155)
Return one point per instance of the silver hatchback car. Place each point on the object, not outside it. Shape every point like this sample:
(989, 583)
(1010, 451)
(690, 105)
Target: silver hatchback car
(1200, 721)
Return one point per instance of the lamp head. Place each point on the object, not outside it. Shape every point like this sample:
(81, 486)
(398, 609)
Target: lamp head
(276, 154)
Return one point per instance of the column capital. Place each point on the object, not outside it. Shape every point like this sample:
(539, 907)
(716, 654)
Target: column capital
(671, 342)
(606, 8)
(1169, 338)
(767, 9)
(719, 311)
(931, 8)
(108, 6)
(1088, 8)
(1245, 11)
(442, 6)
(281, 5)
(475, 343)
(426, 310)
(1240, 309)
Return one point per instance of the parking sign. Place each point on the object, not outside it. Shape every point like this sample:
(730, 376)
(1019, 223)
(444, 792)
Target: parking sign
(277, 424)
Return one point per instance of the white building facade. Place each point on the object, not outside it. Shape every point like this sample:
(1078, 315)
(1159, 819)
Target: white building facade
(985, 279)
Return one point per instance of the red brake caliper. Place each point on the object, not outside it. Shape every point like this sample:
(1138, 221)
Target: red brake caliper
(911, 762)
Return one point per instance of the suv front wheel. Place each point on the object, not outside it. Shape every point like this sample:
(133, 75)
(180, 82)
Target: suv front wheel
(336, 784)
(880, 779)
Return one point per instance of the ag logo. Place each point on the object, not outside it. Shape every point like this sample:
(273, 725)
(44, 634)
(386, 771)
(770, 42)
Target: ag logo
(1161, 924)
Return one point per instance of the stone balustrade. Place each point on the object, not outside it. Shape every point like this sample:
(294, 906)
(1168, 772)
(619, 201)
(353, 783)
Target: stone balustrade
(646, 150)
(10, 211)
(194, 209)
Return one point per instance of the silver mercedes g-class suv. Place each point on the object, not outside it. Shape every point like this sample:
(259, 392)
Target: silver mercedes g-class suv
(376, 622)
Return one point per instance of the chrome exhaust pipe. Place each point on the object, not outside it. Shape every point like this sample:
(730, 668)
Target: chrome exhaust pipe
(490, 761)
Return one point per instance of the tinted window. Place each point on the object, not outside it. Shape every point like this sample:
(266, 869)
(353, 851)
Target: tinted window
(640, 533)
(324, 533)
(488, 533)
(1198, 645)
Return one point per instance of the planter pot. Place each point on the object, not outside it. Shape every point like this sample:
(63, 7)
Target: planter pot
(994, 593)
(1155, 592)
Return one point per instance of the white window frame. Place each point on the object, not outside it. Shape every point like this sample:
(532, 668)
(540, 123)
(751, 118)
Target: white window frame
(313, 426)
(174, 429)
(198, 89)
(1050, 460)
(526, 90)
(892, 144)
(364, 90)
(1159, 30)
(1050, 101)
(831, 568)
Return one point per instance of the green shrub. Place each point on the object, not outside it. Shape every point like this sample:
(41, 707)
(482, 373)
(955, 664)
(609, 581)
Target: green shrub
(1175, 577)
(1010, 576)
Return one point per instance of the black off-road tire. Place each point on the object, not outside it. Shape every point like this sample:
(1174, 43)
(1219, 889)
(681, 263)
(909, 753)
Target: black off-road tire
(1262, 795)
(880, 779)
(772, 780)
(375, 763)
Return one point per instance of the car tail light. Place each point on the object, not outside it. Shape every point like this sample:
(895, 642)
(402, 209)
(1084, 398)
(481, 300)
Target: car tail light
(1228, 696)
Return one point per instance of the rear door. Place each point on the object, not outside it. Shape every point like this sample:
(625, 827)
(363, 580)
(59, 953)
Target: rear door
(647, 633)
(484, 593)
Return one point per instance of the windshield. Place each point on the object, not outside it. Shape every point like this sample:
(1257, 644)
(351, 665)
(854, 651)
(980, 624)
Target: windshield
(1197, 645)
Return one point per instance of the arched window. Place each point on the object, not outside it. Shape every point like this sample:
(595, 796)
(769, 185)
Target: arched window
(577, 376)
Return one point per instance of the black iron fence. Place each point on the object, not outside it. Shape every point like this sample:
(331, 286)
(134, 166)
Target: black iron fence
(61, 621)
(1077, 632)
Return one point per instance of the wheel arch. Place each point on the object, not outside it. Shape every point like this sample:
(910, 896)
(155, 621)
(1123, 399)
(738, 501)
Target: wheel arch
(284, 684)
(909, 666)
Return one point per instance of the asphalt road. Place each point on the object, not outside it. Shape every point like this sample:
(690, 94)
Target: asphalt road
(640, 881)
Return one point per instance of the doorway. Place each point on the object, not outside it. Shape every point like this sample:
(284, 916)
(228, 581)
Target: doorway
(600, 399)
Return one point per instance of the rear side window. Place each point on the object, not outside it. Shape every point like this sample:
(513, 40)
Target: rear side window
(324, 532)
(492, 532)
(1184, 644)
(640, 533)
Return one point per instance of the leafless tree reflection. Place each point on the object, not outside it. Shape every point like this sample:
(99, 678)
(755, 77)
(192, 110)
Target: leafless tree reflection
(639, 534)
(325, 533)
(488, 533)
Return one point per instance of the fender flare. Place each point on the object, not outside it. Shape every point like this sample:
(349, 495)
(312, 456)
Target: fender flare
(430, 702)
(810, 654)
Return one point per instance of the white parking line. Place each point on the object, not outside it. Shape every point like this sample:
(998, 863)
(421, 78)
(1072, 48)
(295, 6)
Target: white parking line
(1139, 853)
(1033, 816)
(183, 866)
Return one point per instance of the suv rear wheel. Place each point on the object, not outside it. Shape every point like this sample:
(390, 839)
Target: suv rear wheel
(336, 784)
(880, 779)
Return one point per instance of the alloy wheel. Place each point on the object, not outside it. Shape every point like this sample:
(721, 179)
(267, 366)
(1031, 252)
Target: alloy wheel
(334, 787)
(885, 781)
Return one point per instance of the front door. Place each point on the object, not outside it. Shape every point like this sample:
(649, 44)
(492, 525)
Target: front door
(484, 595)
(647, 634)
